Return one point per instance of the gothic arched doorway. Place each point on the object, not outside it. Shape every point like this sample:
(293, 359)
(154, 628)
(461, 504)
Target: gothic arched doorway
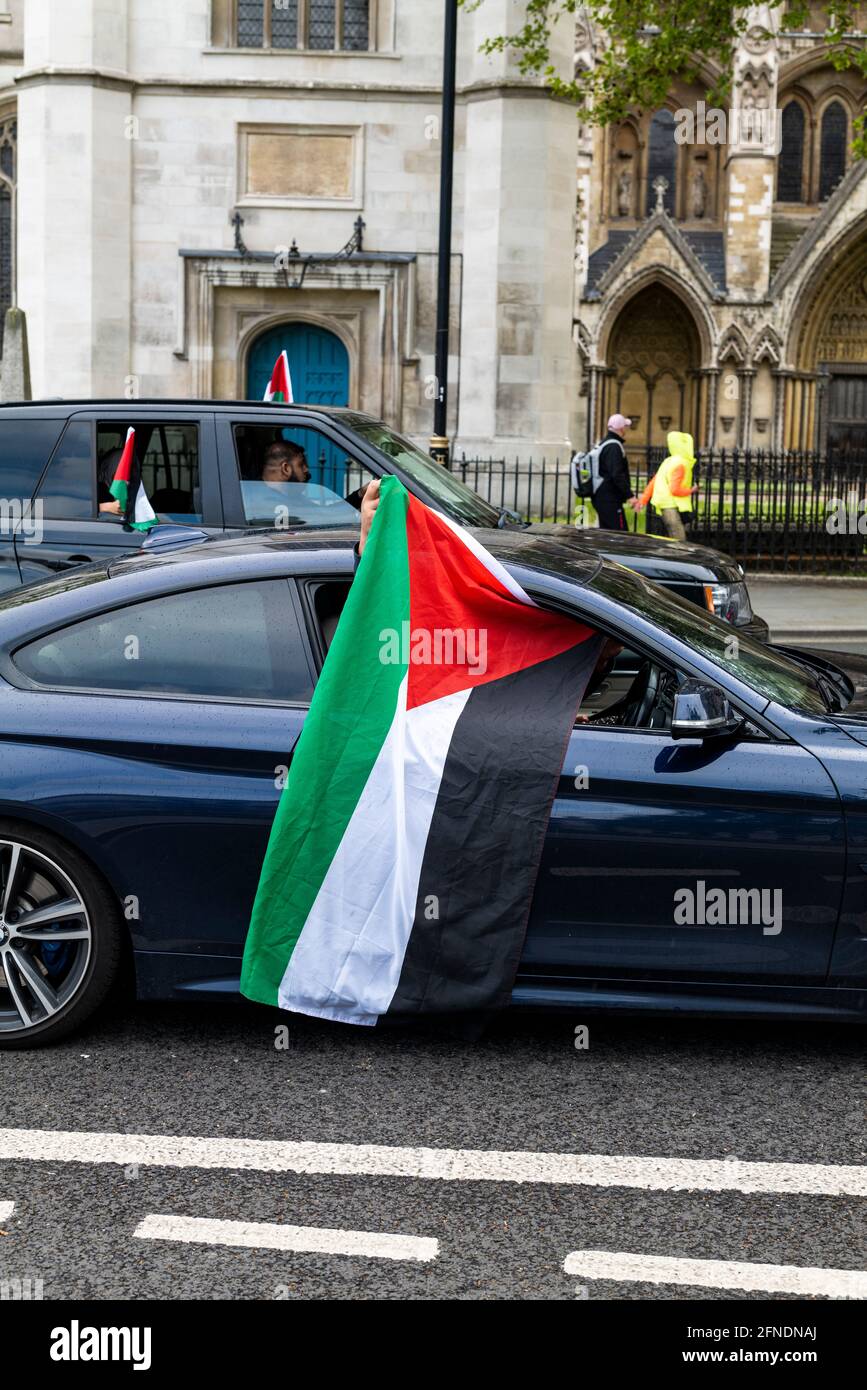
(826, 399)
(318, 363)
(654, 353)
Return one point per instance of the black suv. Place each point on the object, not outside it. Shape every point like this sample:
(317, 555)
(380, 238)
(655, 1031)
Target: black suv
(202, 464)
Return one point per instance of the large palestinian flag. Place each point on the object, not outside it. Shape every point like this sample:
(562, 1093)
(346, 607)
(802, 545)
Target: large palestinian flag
(404, 852)
(138, 512)
(279, 388)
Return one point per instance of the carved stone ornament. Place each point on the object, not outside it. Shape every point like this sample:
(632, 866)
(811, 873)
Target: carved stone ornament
(757, 39)
(624, 194)
(698, 194)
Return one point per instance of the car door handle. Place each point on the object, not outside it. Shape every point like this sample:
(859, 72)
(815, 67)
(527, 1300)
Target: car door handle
(78, 559)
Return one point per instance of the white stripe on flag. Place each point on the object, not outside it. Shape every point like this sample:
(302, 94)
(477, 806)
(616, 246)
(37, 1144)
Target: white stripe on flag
(347, 963)
(143, 509)
(497, 570)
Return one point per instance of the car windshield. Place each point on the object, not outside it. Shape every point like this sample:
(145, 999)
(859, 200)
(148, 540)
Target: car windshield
(455, 498)
(771, 675)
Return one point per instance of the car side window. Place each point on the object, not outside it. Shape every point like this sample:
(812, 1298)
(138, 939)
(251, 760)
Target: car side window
(627, 690)
(296, 477)
(167, 452)
(231, 642)
(67, 492)
(25, 447)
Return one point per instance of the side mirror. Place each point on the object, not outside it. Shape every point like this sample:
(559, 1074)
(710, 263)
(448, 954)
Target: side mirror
(702, 711)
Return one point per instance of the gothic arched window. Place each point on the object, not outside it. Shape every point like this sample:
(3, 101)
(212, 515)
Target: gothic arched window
(790, 166)
(8, 159)
(662, 160)
(832, 147)
(316, 24)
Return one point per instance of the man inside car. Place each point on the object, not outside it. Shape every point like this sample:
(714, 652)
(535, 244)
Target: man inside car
(285, 462)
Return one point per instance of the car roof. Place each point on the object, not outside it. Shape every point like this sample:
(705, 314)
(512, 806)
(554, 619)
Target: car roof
(142, 574)
(509, 547)
(59, 405)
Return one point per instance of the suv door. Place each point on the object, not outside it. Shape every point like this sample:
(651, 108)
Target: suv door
(26, 443)
(179, 469)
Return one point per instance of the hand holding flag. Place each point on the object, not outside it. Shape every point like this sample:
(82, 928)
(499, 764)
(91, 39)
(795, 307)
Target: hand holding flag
(143, 515)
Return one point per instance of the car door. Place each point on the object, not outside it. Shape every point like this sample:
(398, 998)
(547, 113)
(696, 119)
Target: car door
(74, 531)
(26, 443)
(643, 828)
(173, 723)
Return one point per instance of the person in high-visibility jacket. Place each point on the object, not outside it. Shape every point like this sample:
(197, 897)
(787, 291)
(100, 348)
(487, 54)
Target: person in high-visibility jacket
(670, 490)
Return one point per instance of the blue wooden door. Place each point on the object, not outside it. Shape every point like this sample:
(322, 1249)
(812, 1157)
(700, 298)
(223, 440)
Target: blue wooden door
(318, 364)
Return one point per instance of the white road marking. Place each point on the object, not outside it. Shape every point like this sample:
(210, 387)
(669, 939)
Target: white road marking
(623, 1267)
(6, 1210)
(450, 1165)
(269, 1235)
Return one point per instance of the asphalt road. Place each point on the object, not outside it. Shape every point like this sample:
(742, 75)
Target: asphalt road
(775, 1095)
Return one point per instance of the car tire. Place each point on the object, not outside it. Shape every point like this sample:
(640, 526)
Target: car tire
(99, 954)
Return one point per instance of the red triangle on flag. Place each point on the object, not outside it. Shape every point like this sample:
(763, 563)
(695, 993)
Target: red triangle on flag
(466, 627)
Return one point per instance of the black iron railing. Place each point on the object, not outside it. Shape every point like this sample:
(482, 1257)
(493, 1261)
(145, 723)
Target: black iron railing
(786, 511)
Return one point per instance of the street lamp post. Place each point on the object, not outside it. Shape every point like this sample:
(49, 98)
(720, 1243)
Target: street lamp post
(439, 445)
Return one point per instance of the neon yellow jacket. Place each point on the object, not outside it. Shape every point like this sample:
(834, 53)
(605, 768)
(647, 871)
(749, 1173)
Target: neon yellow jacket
(670, 485)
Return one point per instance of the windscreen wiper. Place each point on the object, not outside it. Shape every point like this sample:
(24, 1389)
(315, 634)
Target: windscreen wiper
(507, 515)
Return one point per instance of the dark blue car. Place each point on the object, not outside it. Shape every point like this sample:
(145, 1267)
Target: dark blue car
(707, 849)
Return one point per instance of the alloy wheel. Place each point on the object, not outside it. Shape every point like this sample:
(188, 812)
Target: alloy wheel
(46, 939)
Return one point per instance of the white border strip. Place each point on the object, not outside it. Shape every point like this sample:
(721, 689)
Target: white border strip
(6, 1210)
(269, 1235)
(451, 1165)
(498, 570)
(622, 1267)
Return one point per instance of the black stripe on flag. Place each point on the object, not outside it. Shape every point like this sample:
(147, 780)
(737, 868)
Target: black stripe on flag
(487, 832)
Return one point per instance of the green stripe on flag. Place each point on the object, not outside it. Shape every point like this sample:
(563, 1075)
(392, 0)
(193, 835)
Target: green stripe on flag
(352, 710)
(120, 491)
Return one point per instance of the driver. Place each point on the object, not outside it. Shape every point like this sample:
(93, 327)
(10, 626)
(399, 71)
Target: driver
(285, 462)
(609, 653)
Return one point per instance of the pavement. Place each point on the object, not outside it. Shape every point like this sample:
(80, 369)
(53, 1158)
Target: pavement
(670, 1159)
(821, 612)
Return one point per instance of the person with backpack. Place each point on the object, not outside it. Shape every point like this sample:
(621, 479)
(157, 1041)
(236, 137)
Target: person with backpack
(671, 489)
(602, 475)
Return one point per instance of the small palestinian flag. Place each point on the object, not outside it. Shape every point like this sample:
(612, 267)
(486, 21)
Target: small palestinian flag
(403, 857)
(279, 388)
(141, 516)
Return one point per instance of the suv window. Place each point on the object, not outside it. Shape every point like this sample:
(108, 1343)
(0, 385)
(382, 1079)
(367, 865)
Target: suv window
(25, 447)
(168, 456)
(296, 477)
(233, 641)
(167, 453)
(67, 491)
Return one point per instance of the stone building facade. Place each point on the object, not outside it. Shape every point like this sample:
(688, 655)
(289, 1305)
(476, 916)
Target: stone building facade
(160, 161)
(722, 256)
(171, 152)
